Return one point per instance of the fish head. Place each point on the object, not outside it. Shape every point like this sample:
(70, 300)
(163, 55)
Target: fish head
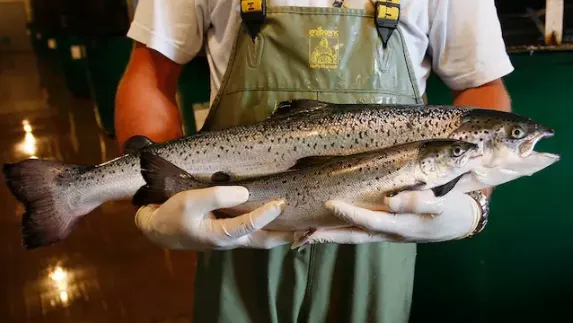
(502, 137)
(440, 161)
(507, 143)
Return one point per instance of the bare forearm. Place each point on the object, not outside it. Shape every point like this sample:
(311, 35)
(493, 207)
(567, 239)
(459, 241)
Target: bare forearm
(134, 115)
(492, 96)
(145, 100)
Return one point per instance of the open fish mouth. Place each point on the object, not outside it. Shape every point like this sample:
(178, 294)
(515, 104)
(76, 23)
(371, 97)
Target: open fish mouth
(526, 148)
(482, 177)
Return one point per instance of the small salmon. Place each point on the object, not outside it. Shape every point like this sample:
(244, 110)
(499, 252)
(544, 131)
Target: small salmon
(361, 179)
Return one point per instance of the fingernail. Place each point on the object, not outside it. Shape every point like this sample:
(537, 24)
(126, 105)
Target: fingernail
(394, 204)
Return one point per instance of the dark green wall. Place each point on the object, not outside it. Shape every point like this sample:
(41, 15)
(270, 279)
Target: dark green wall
(520, 269)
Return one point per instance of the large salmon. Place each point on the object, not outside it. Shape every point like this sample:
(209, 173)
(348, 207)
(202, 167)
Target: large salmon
(57, 195)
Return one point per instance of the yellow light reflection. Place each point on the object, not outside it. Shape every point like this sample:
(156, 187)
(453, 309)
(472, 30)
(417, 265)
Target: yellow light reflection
(64, 296)
(27, 126)
(60, 280)
(28, 146)
(58, 275)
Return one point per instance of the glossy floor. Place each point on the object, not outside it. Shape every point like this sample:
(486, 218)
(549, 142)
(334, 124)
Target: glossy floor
(106, 271)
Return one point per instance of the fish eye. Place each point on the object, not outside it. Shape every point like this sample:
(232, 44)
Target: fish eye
(517, 133)
(457, 151)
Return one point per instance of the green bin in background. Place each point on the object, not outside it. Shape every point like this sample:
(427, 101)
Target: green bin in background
(193, 92)
(107, 58)
(36, 37)
(51, 43)
(65, 54)
(70, 54)
(520, 268)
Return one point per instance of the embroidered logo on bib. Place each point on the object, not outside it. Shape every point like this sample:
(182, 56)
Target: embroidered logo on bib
(323, 48)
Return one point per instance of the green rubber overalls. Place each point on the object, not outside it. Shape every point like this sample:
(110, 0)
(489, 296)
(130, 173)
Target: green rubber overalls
(331, 54)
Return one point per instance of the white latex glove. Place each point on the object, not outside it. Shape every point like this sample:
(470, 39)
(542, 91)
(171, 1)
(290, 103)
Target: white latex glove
(185, 221)
(418, 217)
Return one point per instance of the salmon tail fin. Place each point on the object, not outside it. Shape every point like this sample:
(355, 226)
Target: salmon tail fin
(43, 187)
(163, 180)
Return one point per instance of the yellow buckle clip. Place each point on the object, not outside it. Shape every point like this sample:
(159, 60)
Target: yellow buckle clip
(253, 13)
(387, 14)
(251, 6)
(388, 10)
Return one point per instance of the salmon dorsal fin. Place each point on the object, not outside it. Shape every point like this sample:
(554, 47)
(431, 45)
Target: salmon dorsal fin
(136, 143)
(297, 106)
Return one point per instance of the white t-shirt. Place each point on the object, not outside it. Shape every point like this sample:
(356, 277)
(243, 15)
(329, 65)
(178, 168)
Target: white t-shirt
(459, 39)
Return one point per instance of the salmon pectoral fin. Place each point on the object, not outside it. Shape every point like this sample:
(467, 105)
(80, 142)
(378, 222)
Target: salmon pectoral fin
(442, 190)
(163, 180)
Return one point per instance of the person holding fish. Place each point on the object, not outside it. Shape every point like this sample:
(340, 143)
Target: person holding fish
(265, 52)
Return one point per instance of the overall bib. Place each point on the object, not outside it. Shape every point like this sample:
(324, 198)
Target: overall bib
(331, 54)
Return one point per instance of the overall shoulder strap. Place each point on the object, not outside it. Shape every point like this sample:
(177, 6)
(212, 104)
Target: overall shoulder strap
(387, 14)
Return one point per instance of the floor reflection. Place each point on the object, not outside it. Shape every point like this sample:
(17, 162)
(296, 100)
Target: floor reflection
(105, 271)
